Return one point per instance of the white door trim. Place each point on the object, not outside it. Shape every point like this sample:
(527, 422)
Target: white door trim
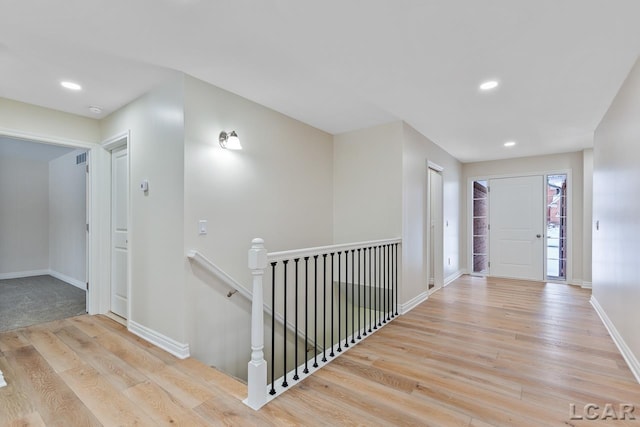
(438, 259)
(95, 249)
(469, 213)
(115, 142)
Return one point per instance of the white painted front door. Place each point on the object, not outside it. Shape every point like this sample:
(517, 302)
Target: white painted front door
(119, 230)
(516, 227)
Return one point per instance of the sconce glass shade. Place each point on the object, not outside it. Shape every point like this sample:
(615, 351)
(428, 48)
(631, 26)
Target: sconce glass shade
(230, 140)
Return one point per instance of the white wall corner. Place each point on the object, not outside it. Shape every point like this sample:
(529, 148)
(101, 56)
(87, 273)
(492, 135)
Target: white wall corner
(180, 350)
(454, 276)
(21, 274)
(629, 357)
(414, 302)
(3, 383)
(70, 280)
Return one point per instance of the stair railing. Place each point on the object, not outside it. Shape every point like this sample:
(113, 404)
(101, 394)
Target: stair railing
(341, 295)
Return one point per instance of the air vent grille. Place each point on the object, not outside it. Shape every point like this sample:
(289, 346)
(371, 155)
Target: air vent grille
(81, 158)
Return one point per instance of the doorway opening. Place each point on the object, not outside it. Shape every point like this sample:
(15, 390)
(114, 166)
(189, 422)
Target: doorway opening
(556, 225)
(43, 227)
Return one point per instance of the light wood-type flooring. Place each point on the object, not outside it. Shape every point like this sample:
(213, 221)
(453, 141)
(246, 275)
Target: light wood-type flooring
(477, 353)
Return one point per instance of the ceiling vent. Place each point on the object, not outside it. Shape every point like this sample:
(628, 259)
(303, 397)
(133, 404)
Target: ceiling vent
(81, 158)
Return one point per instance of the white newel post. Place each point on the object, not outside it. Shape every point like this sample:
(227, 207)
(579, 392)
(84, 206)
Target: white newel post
(257, 371)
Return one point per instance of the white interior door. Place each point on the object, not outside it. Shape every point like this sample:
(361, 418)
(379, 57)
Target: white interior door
(516, 242)
(119, 230)
(436, 242)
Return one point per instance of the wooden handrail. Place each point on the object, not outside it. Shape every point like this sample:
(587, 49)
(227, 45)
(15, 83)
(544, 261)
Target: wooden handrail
(301, 253)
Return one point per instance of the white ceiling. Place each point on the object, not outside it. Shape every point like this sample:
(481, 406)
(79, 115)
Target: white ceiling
(341, 65)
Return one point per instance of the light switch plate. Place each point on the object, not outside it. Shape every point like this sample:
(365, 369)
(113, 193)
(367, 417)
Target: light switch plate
(202, 227)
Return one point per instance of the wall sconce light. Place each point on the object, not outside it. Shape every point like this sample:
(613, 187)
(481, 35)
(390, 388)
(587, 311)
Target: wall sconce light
(230, 140)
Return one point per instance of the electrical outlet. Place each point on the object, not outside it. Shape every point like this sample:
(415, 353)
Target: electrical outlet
(449, 261)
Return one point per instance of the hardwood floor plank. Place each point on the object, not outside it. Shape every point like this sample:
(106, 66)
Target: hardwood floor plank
(57, 354)
(120, 374)
(161, 407)
(12, 340)
(55, 402)
(30, 420)
(105, 401)
(15, 401)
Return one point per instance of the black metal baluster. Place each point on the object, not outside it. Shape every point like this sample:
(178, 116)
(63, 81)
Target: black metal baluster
(380, 293)
(388, 282)
(359, 298)
(324, 307)
(273, 327)
(284, 326)
(315, 311)
(296, 377)
(339, 304)
(353, 299)
(371, 289)
(346, 299)
(306, 313)
(332, 286)
(385, 273)
(396, 260)
(375, 287)
(364, 285)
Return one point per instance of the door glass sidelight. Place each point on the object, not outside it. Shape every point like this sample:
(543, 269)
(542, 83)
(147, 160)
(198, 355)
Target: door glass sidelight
(480, 227)
(556, 214)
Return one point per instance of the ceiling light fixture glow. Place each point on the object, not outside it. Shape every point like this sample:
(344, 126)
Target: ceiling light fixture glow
(509, 143)
(488, 85)
(70, 85)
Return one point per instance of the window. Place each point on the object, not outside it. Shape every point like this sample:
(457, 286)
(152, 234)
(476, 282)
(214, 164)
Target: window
(556, 217)
(480, 227)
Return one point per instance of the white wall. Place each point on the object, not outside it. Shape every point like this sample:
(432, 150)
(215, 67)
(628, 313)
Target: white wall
(616, 206)
(67, 219)
(538, 164)
(279, 188)
(367, 184)
(156, 229)
(24, 215)
(417, 151)
(20, 119)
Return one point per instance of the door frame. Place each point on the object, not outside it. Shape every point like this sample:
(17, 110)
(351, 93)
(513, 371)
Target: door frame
(544, 174)
(438, 234)
(93, 272)
(115, 142)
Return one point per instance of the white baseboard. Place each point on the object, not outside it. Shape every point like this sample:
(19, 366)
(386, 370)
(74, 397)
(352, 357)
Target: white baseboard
(453, 277)
(3, 383)
(70, 280)
(626, 352)
(21, 274)
(179, 350)
(413, 302)
(587, 285)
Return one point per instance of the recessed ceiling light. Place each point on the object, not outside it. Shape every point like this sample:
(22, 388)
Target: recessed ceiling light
(488, 85)
(70, 85)
(95, 109)
(509, 143)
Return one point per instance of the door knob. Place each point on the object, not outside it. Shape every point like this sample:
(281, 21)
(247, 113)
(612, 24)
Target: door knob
(538, 235)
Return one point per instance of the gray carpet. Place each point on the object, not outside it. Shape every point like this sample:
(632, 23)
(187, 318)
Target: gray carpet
(31, 300)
